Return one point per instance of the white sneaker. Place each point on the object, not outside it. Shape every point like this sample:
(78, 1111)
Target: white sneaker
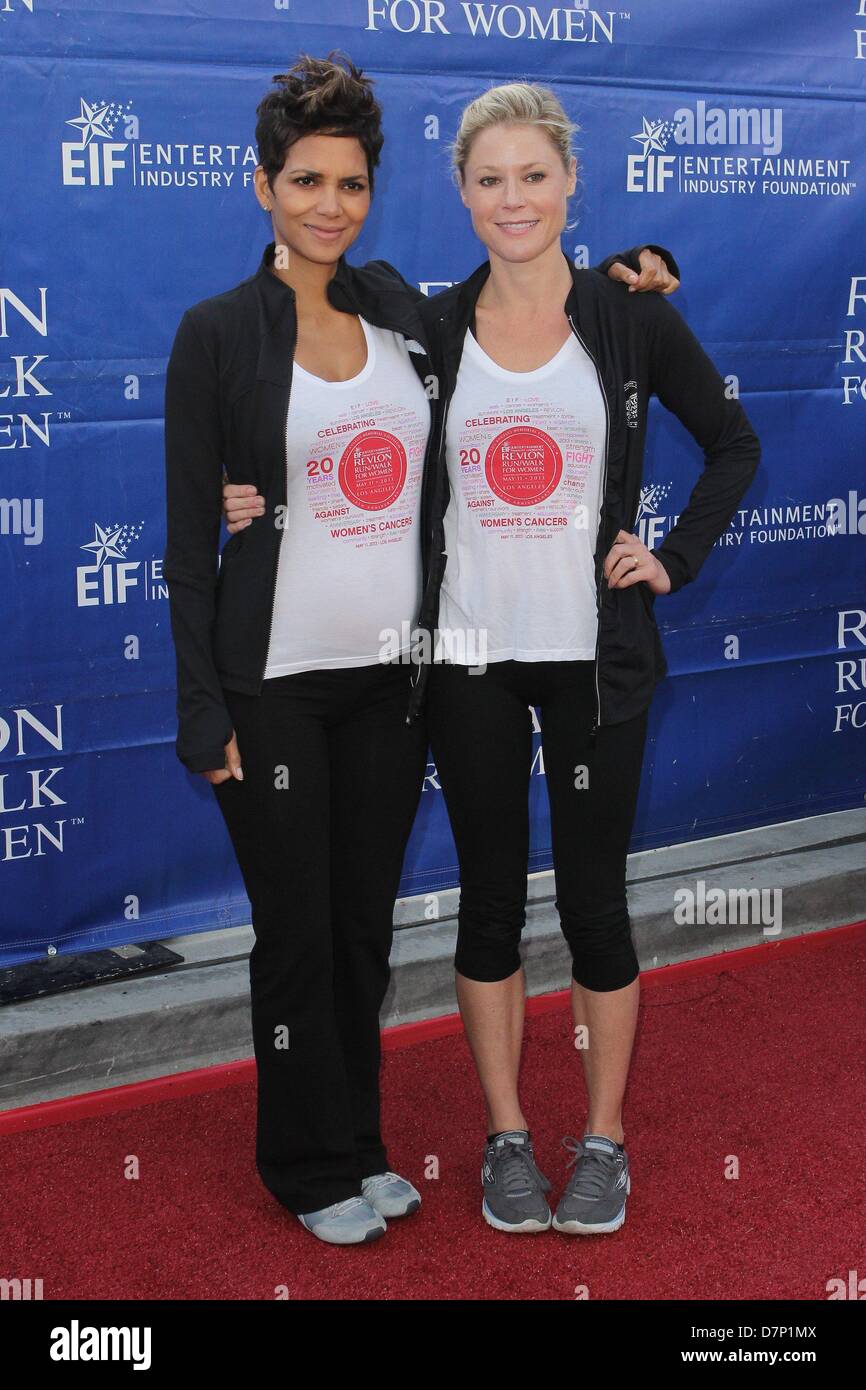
(390, 1194)
(351, 1222)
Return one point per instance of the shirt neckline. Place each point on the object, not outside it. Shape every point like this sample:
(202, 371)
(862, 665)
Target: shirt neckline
(546, 368)
(359, 377)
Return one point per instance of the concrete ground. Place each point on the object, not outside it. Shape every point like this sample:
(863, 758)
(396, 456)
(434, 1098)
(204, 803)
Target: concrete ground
(197, 1014)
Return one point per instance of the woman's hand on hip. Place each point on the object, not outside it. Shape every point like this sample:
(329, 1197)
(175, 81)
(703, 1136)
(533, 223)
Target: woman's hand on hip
(241, 503)
(232, 767)
(629, 562)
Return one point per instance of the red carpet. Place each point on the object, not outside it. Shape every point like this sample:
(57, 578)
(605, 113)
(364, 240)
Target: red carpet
(757, 1055)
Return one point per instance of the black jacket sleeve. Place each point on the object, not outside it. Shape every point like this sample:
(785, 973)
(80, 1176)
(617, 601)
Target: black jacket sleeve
(686, 382)
(193, 470)
(631, 258)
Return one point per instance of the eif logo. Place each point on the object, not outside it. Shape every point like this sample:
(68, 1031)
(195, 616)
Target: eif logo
(110, 578)
(702, 126)
(649, 171)
(649, 524)
(96, 156)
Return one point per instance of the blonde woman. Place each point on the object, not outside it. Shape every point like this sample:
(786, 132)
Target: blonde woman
(546, 373)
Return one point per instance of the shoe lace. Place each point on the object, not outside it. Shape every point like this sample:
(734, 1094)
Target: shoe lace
(347, 1204)
(517, 1165)
(372, 1184)
(592, 1169)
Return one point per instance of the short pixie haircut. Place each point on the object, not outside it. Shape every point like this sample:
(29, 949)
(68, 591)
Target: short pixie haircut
(318, 96)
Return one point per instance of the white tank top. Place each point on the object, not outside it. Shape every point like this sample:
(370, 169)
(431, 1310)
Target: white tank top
(349, 565)
(525, 459)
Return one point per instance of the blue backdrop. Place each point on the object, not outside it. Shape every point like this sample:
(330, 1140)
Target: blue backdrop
(734, 133)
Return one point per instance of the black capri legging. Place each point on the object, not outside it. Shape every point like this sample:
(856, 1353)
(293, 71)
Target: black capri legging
(480, 730)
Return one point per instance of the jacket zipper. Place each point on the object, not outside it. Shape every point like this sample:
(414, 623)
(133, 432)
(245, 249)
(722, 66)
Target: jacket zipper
(285, 465)
(597, 721)
(439, 465)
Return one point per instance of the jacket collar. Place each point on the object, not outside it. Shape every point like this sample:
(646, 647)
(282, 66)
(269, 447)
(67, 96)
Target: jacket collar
(373, 290)
(275, 290)
(450, 312)
(458, 303)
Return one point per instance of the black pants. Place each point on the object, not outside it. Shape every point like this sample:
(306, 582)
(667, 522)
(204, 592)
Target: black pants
(332, 778)
(480, 732)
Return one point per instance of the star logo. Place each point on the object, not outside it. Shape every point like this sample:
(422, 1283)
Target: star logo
(111, 542)
(91, 121)
(654, 136)
(97, 118)
(651, 497)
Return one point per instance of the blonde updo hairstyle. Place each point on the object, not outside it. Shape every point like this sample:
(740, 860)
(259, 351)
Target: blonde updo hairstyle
(514, 103)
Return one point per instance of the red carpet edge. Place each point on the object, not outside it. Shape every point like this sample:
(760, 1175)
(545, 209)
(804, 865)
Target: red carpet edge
(138, 1093)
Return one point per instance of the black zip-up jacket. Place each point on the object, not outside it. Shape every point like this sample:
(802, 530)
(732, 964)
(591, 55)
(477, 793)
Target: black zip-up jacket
(640, 346)
(227, 389)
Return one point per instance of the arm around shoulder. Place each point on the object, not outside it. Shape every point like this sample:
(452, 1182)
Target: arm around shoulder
(631, 258)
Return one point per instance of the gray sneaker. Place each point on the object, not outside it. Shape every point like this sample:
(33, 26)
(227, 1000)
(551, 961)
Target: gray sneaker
(513, 1186)
(593, 1203)
(351, 1222)
(390, 1194)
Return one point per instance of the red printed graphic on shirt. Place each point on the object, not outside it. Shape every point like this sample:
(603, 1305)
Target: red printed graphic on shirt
(523, 466)
(363, 473)
(372, 470)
